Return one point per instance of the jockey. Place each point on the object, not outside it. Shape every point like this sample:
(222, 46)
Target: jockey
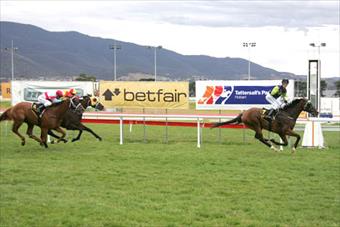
(70, 93)
(277, 97)
(48, 98)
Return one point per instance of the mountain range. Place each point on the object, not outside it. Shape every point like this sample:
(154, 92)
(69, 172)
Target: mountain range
(59, 55)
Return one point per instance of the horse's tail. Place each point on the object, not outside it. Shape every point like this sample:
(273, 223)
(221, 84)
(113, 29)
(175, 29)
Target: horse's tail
(235, 121)
(4, 116)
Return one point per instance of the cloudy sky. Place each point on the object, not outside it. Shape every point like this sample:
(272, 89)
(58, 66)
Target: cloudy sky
(282, 30)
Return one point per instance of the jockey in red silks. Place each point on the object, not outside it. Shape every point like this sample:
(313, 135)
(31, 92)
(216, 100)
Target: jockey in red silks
(48, 98)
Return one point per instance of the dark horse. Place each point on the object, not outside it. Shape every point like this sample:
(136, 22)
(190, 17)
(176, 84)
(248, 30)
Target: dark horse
(51, 119)
(283, 124)
(72, 119)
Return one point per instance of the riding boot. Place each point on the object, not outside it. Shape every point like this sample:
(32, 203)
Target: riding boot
(276, 112)
(269, 115)
(41, 109)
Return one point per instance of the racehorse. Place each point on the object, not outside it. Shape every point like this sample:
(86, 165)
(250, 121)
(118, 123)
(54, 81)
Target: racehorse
(51, 119)
(283, 124)
(72, 119)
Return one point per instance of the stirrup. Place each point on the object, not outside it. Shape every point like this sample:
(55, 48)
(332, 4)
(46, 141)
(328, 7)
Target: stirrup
(268, 118)
(270, 113)
(41, 111)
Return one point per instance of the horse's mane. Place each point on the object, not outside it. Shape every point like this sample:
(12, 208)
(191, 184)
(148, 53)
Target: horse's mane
(293, 103)
(85, 100)
(58, 103)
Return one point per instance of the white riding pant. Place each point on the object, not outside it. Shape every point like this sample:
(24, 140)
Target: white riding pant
(276, 103)
(45, 102)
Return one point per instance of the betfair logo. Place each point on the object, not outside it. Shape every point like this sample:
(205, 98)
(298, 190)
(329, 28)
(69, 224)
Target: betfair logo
(108, 94)
(147, 96)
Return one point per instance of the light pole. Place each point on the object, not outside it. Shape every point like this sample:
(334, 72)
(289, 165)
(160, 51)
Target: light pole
(318, 46)
(249, 45)
(316, 76)
(115, 47)
(155, 57)
(12, 49)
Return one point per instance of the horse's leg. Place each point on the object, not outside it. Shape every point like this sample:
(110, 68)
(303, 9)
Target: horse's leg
(51, 133)
(29, 132)
(63, 134)
(92, 132)
(78, 137)
(15, 128)
(259, 136)
(298, 137)
(43, 137)
(83, 127)
(284, 139)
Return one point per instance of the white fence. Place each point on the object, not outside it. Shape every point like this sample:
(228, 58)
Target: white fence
(199, 119)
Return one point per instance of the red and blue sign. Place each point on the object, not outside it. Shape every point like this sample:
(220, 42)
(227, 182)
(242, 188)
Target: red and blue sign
(222, 95)
(233, 94)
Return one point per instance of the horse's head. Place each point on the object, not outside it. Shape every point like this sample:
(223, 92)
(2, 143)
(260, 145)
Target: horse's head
(96, 104)
(300, 104)
(85, 101)
(88, 100)
(308, 107)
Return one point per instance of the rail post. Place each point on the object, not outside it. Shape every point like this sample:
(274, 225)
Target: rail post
(198, 133)
(120, 130)
(166, 126)
(144, 131)
(219, 128)
(244, 131)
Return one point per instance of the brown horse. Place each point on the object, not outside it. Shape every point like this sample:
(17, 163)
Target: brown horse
(283, 124)
(51, 119)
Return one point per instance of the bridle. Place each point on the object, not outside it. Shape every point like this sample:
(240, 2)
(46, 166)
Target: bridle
(309, 108)
(95, 106)
(306, 105)
(74, 106)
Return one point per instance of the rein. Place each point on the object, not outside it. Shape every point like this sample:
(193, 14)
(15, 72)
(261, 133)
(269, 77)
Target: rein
(294, 109)
(95, 107)
(306, 104)
(76, 107)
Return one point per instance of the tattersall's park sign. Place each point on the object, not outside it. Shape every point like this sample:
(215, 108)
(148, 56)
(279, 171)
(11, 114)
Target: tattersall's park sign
(164, 95)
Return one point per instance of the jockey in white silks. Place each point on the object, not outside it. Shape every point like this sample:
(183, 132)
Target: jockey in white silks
(48, 98)
(277, 97)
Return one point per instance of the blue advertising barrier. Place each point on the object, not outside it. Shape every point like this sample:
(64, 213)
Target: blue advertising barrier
(235, 94)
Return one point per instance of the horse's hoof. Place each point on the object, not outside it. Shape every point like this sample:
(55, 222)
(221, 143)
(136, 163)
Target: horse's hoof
(293, 150)
(23, 143)
(100, 139)
(63, 140)
(52, 142)
(74, 140)
(274, 148)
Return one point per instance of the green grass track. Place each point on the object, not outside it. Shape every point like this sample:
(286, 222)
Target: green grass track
(151, 183)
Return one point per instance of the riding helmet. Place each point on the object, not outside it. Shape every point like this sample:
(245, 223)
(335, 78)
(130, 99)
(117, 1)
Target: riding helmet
(59, 93)
(285, 81)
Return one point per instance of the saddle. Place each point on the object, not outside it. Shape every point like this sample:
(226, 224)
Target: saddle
(269, 114)
(38, 109)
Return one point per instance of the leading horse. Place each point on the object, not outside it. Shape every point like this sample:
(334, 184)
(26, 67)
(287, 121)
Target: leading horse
(51, 119)
(72, 119)
(283, 124)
